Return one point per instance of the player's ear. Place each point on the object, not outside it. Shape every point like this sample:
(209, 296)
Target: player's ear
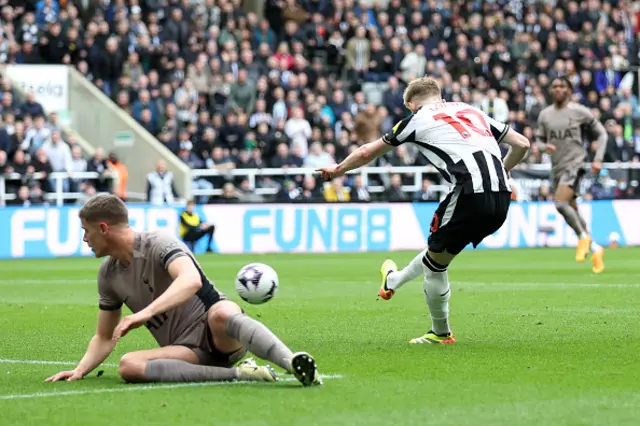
(104, 227)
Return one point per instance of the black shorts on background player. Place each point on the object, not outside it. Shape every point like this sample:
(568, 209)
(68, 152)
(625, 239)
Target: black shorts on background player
(194, 235)
(462, 219)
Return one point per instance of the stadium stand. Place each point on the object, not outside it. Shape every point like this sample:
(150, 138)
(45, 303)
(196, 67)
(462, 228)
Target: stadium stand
(253, 104)
(40, 164)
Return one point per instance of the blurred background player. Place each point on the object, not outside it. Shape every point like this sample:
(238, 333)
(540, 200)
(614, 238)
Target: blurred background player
(460, 141)
(201, 334)
(560, 132)
(192, 229)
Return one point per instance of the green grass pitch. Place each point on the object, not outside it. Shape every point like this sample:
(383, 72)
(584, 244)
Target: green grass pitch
(541, 341)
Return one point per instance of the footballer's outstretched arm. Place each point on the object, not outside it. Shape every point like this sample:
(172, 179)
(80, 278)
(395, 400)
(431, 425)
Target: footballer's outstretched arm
(186, 283)
(358, 158)
(518, 147)
(368, 152)
(100, 347)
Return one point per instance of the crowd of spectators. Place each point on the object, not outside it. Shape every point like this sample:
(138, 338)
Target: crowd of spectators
(311, 80)
(33, 146)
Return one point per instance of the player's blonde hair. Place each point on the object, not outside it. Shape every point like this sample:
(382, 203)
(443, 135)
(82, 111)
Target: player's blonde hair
(105, 208)
(421, 89)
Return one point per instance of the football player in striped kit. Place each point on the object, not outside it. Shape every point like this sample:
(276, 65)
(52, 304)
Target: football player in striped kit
(462, 142)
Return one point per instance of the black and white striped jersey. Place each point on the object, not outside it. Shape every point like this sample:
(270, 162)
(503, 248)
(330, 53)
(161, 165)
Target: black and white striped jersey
(460, 141)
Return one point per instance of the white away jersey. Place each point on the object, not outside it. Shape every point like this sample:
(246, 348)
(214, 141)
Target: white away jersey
(460, 141)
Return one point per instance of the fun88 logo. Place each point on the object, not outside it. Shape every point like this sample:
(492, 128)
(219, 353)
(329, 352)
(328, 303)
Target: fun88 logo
(55, 232)
(317, 229)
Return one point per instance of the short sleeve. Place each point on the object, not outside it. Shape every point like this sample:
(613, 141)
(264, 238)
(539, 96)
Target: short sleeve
(400, 133)
(165, 248)
(586, 117)
(108, 300)
(498, 130)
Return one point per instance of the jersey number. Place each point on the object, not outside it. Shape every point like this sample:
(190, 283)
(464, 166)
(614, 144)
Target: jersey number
(462, 123)
(156, 322)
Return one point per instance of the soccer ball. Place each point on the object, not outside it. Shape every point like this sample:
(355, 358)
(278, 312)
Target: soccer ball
(614, 239)
(257, 283)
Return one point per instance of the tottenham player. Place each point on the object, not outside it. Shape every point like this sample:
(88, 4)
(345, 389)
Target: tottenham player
(560, 131)
(463, 144)
(201, 334)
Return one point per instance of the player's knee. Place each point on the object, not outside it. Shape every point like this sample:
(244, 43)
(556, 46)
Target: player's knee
(132, 368)
(438, 261)
(562, 205)
(221, 314)
(219, 319)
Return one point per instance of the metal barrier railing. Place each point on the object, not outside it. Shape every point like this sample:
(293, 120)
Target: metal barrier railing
(58, 195)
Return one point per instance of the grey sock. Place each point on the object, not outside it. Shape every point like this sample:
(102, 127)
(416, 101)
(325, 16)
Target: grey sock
(574, 205)
(173, 370)
(571, 216)
(259, 340)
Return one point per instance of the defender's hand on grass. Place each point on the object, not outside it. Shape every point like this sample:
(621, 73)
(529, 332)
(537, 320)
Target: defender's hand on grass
(68, 376)
(129, 323)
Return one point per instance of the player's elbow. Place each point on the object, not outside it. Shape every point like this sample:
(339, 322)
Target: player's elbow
(517, 140)
(192, 281)
(603, 139)
(196, 283)
(524, 142)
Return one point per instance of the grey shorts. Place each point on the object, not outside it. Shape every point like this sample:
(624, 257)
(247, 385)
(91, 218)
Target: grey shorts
(570, 177)
(198, 338)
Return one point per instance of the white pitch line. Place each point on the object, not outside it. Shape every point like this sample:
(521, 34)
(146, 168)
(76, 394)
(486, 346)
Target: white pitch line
(49, 282)
(513, 284)
(38, 362)
(134, 388)
(516, 285)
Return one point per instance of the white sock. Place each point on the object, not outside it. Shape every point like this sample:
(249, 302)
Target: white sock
(594, 246)
(413, 270)
(583, 236)
(438, 293)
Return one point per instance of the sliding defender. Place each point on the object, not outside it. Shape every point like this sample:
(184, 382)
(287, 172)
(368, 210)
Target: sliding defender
(201, 334)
